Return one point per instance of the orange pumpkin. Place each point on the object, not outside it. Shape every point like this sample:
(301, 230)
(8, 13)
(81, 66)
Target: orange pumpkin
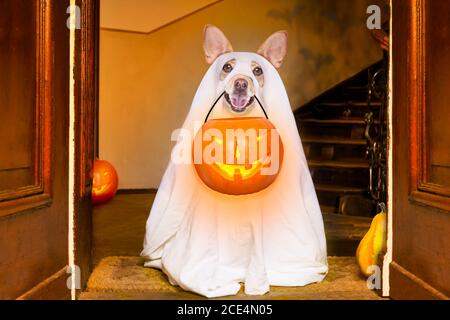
(105, 182)
(241, 161)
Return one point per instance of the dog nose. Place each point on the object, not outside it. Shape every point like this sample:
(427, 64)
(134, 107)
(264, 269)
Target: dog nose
(240, 84)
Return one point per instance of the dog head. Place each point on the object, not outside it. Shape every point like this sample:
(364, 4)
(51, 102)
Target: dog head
(240, 75)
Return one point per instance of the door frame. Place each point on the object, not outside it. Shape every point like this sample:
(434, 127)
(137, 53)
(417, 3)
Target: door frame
(87, 144)
(86, 123)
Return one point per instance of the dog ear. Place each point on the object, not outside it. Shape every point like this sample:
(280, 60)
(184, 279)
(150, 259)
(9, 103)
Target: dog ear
(214, 43)
(274, 48)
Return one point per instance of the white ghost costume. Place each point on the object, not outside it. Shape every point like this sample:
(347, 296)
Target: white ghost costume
(207, 242)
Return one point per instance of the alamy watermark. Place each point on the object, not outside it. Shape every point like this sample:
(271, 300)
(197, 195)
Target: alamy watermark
(235, 147)
(74, 280)
(374, 20)
(374, 280)
(73, 23)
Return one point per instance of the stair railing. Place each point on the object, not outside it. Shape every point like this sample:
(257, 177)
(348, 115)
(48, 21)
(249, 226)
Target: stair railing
(376, 134)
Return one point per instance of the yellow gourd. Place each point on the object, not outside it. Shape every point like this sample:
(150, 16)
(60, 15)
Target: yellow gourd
(373, 244)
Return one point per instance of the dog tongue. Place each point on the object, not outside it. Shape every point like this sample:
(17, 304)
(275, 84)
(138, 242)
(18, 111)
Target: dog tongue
(239, 101)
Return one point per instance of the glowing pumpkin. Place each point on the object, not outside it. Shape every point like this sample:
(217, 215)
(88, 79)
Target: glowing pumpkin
(245, 154)
(105, 182)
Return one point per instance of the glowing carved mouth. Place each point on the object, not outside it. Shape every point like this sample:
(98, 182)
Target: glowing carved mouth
(233, 172)
(237, 103)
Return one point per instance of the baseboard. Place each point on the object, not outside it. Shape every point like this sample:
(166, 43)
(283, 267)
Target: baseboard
(137, 191)
(406, 286)
(52, 288)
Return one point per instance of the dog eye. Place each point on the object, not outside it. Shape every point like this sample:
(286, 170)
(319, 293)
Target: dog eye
(227, 68)
(257, 71)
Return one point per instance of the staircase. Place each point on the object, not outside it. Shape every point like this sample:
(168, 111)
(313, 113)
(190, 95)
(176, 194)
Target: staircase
(335, 128)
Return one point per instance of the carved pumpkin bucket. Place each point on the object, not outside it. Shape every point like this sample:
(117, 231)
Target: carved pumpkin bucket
(238, 156)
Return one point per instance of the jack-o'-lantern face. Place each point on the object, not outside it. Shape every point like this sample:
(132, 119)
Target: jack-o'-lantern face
(238, 156)
(105, 182)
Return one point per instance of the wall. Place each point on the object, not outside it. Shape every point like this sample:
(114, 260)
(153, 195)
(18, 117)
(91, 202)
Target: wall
(144, 15)
(147, 81)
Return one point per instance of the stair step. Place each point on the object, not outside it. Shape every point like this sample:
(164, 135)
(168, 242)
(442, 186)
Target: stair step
(326, 209)
(338, 189)
(338, 121)
(339, 164)
(325, 140)
(349, 104)
(355, 93)
(356, 88)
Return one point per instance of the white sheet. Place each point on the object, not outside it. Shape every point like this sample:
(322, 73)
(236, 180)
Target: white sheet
(207, 242)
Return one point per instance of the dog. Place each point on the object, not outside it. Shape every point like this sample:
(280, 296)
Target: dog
(242, 86)
(208, 242)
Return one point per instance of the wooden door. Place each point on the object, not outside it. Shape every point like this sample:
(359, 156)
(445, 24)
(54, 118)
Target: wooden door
(421, 149)
(34, 124)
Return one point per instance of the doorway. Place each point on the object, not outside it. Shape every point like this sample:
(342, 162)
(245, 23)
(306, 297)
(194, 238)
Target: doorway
(46, 231)
(137, 60)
